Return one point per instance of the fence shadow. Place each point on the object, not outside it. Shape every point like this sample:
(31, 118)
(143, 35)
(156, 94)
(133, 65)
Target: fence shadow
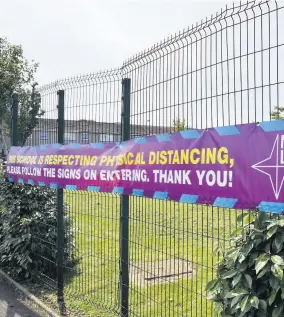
(11, 304)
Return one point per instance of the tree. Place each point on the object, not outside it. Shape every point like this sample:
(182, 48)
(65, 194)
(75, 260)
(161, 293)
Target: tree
(29, 113)
(26, 212)
(277, 113)
(180, 125)
(17, 74)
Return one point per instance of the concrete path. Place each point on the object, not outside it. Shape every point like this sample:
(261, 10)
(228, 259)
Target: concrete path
(12, 303)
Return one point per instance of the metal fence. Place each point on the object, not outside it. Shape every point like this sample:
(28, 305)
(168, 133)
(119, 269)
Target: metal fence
(146, 257)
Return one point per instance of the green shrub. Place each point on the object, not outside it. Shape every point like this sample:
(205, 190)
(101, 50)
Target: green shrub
(249, 278)
(28, 229)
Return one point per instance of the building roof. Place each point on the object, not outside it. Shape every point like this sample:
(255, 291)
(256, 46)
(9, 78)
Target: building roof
(100, 127)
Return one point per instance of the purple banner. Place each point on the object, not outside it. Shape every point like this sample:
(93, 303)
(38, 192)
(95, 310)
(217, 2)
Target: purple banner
(232, 167)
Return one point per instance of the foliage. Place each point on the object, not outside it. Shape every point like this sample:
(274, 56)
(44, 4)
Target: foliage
(180, 125)
(16, 72)
(29, 114)
(28, 230)
(249, 278)
(28, 215)
(17, 75)
(277, 113)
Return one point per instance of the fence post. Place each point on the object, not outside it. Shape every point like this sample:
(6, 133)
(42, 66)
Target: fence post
(60, 213)
(124, 218)
(15, 117)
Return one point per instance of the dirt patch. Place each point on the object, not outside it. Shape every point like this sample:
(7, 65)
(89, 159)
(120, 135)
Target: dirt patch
(158, 272)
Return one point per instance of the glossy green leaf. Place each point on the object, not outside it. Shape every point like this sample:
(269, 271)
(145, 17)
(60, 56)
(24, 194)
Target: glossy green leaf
(246, 249)
(252, 258)
(271, 298)
(236, 279)
(263, 272)
(242, 266)
(278, 242)
(277, 259)
(272, 231)
(254, 302)
(249, 218)
(261, 261)
(238, 292)
(229, 274)
(236, 300)
(277, 311)
(267, 247)
(263, 305)
(233, 254)
(211, 286)
(229, 295)
(274, 282)
(280, 223)
(248, 280)
(271, 223)
(244, 303)
(277, 271)
(212, 297)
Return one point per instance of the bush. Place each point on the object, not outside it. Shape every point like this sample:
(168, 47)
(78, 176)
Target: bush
(250, 276)
(28, 229)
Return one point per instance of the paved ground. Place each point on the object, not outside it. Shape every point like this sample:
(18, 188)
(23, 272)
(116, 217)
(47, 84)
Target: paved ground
(13, 304)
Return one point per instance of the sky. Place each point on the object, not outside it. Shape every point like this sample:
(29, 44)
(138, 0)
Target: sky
(74, 37)
(71, 37)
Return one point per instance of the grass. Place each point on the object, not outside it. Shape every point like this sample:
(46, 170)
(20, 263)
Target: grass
(158, 230)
